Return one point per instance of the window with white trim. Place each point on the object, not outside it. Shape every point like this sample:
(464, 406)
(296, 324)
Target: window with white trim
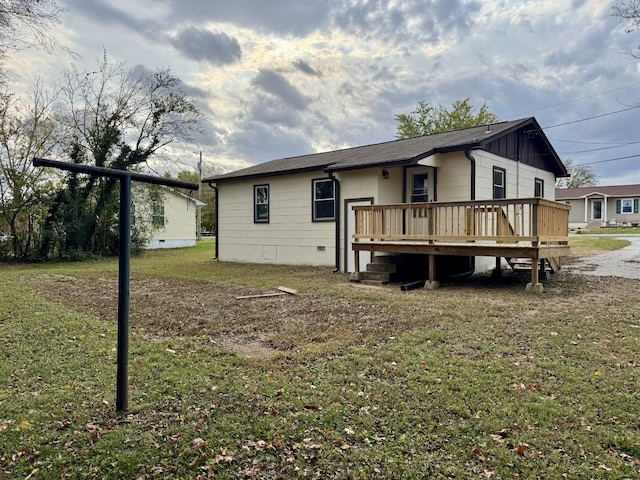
(157, 215)
(261, 203)
(627, 205)
(324, 200)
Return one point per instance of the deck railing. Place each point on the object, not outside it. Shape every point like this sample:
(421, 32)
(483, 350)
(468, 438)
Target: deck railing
(534, 220)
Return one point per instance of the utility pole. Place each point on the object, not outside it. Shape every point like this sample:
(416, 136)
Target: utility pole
(199, 207)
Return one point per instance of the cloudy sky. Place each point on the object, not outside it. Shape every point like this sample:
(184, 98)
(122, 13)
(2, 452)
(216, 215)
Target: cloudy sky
(279, 78)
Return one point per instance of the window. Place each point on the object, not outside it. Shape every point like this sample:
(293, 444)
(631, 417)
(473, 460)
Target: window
(538, 189)
(261, 203)
(499, 184)
(420, 187)
(627, 205)
(157, 215)
(324, 200)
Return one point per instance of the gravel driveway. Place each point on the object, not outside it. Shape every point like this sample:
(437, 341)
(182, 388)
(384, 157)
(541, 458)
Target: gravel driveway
(618, 263)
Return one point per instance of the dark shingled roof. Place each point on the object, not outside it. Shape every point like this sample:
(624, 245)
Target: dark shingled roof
(612, 191)
(397, 152)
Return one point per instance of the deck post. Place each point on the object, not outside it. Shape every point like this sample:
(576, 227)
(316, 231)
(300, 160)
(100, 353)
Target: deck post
(497, 272)
(535, 286)
(432, 283)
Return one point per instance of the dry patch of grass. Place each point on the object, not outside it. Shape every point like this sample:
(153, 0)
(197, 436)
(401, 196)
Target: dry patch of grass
(475, 380)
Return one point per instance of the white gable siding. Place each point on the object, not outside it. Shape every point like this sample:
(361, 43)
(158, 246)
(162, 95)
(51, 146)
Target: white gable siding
(520, 178)
(290, 237)
(179, 223)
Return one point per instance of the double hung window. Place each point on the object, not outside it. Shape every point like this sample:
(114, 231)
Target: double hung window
(261, 203)
(324, 200)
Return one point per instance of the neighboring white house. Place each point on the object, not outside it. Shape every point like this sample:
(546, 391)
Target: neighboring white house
(599, 205)
(172, 219)
(298, 210)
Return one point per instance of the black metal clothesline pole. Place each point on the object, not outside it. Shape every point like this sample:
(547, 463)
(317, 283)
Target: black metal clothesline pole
(124, 270)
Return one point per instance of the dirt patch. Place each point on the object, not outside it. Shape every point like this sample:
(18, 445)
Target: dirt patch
(265, 328)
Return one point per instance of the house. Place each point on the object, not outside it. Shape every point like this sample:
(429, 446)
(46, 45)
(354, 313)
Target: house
(598, 206)
(319, 209)
(169, 216)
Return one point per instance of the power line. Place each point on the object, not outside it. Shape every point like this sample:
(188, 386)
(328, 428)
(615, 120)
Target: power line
(577, 99)
(586, 143)
(591, 118)
(611, 159)
(610, 147)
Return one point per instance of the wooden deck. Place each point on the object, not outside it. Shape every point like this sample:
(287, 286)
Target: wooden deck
(532, 228)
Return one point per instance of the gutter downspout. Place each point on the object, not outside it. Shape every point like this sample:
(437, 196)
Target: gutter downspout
(467, 153)
(217, 220)
(336, 184)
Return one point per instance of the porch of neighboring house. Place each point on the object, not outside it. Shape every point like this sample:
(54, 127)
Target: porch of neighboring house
(525, 228)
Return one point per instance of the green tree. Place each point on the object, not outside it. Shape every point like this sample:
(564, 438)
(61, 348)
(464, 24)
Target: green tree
(427, 119)
(579, 175)
(117, 118)
(207, 195)
(27, 130)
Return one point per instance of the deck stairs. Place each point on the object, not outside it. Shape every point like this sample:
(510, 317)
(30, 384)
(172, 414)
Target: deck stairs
(551, 265)
(382, 269)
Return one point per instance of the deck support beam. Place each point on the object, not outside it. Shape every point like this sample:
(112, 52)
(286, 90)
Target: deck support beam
(432, 283)
(535, 286)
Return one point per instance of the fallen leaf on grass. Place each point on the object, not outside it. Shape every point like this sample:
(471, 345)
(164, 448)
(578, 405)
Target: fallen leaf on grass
(33, 472)
(25, 425)
(602, 466)
(313, 407)
(479, 454)
(199, 442)
(488, 473)
(521, 449)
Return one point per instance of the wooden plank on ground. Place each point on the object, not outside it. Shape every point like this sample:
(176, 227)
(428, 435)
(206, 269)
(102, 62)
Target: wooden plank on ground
(290, 291)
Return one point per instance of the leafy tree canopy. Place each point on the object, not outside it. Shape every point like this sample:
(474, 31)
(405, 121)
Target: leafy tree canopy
(427, 119)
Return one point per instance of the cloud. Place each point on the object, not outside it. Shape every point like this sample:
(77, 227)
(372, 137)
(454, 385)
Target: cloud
(260, 142)
(277, 85)
(106, 14)
(304, 67)
(206, 46)
(276, 16)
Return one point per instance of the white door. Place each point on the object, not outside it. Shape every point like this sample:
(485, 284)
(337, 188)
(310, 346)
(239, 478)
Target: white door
(365, 257)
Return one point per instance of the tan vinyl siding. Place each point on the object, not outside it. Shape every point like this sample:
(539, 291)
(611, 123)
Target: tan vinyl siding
(290, 237)
(520, 178)
(454, 177)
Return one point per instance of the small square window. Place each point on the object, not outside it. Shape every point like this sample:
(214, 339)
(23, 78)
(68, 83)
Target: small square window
(324, 200)
(261, 204)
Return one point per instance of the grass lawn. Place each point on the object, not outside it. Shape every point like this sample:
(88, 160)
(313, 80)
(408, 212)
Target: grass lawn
(475, 380)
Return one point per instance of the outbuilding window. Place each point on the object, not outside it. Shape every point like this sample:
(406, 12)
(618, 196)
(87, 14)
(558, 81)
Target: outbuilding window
(324, 200)
(157, 215)
(261, 203)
